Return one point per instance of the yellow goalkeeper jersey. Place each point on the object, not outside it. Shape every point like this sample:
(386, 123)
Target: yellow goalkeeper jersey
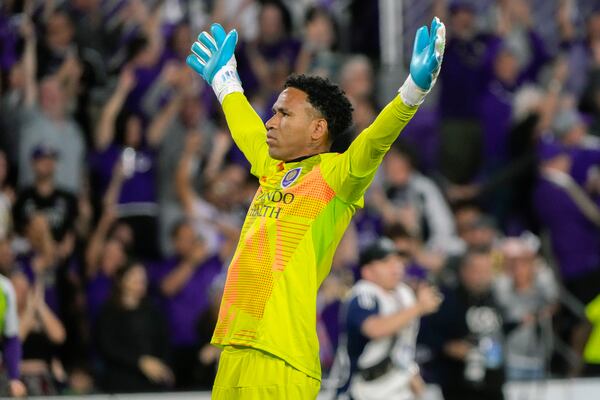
(290, 234)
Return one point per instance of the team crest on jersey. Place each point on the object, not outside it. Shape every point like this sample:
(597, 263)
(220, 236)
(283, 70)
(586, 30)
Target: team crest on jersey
(290, 177)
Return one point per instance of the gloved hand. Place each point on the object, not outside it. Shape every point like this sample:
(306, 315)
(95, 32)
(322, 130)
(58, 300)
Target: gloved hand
(213, 59)
(428, 51)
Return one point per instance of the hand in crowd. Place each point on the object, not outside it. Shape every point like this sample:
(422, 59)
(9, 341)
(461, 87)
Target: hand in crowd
(208, 354)
(27, 29)
(17, 388)
(417, 385)
(71, 68)
(66, 247)
(126, 80)
(222, 142)
(134, 11)
(193, 143)
(520, 12)
(564, 19)
(511, 14)
(40, 237)
(428, 299)
(155, 370)
(198, 253)
(458, 349)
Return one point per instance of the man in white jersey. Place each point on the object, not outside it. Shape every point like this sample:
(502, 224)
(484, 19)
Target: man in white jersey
(381, 321)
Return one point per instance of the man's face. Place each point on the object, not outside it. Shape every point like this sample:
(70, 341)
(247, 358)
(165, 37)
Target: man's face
(387, 272)
(290, 130)
(522, 269)
(184, 240)
(477, 273)
(44, 167)
(52, 99)
(397, 169)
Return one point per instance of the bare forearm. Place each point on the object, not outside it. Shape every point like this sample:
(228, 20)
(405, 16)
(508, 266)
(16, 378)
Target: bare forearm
(25, 324)
(457, 349)
(377, 327)
(106, 131)
(176, 280)
(158, 127)
(183, 186)
(52, 326)
(114, 188)
(30, 67)
(95, 245)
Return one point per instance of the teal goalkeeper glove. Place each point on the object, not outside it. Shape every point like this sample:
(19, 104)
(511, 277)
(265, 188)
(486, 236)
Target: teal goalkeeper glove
(428, 51)
(213, 59)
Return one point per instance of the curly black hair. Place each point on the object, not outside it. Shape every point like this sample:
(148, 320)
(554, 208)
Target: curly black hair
(328, 99)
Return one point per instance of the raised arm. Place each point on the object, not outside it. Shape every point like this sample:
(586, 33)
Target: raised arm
(354, 170)
(213, 58)
(106, 125)
(30, 62)
(183, 174)
(160, 123)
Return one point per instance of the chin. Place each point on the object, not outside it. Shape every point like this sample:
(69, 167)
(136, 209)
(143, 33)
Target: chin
(274, 154)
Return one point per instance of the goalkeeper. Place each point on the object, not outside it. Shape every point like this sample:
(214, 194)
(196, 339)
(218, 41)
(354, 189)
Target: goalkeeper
(307, 196)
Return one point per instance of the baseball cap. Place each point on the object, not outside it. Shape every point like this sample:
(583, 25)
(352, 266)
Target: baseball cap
(43, 150)
(516, 246)
(378, 250)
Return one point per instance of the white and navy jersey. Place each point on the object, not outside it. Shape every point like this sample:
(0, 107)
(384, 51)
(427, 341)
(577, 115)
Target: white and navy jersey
(368, 299)
(9, 322)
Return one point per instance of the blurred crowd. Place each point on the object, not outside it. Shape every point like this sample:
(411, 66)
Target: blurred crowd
(122, 194)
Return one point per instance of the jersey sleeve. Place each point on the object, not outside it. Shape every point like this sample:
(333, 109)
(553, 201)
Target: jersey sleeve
(350, 173)
(248, 131)
(11, 322)
(359, 309)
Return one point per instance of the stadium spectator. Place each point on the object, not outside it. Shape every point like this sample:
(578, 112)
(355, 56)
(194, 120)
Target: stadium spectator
(37, 258)
(467, 66)
(43, 196)
(210, 213)
(465, 335)
(356, 78)
(41, 332)
(266, 62)
(132, 337)
(10, 343)
(572, 219)
(413, 200)
(7, 198)
(527, 293)
(104, 256)
(376, 359)
(46, 120)
(318, 55)
(183, 281)
(132, 159)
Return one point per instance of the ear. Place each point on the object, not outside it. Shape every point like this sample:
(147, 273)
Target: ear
(320, 131)
(365, 273)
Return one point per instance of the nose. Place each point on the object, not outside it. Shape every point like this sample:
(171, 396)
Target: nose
(272, 122)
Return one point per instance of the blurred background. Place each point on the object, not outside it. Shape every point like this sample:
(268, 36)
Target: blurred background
(122, 194)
